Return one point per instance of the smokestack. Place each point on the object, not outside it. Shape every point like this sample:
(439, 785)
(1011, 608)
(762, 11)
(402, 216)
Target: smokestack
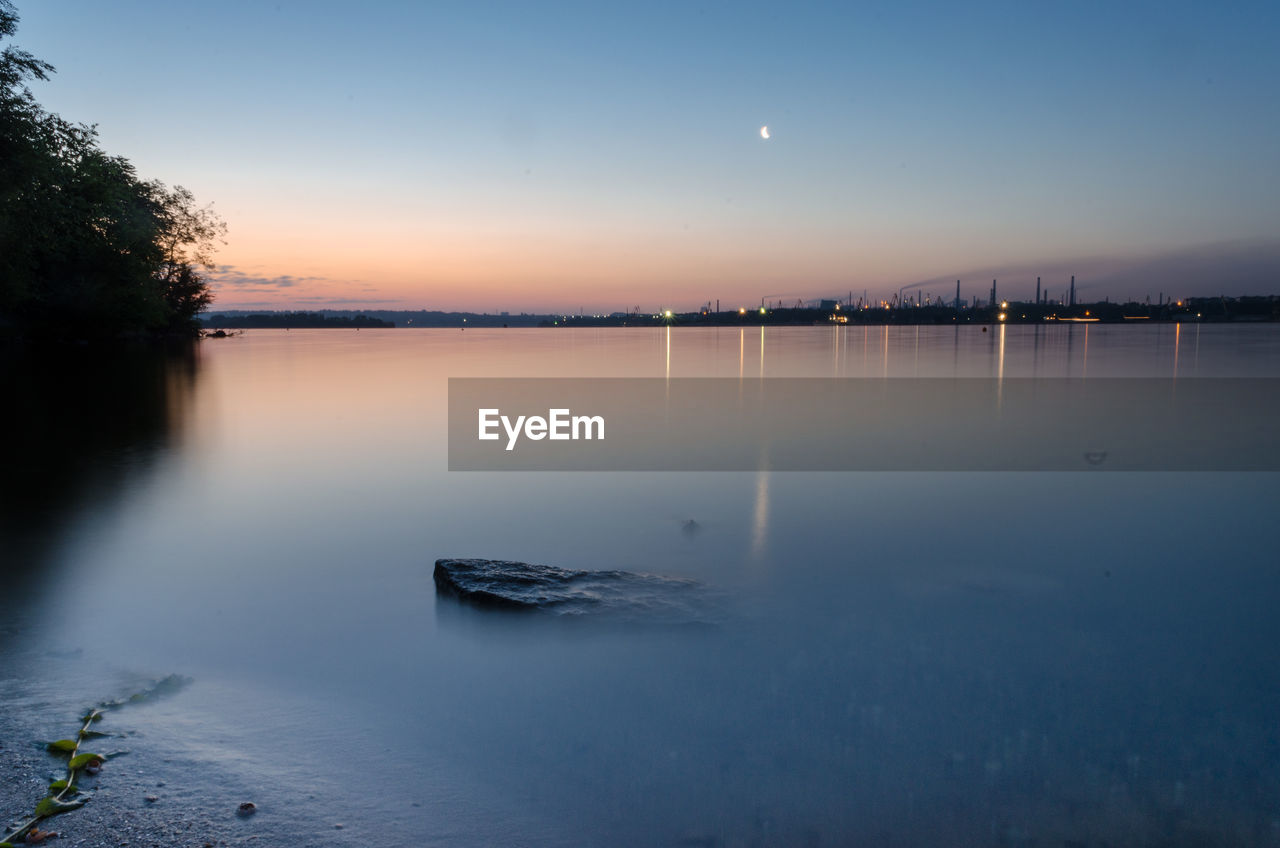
(1073, 290)
(1037, 291)
(957, 295)
(993, 292)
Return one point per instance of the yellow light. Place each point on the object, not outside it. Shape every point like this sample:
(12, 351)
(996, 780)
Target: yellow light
(1086, 313)
(837, 307)
(1001, 316)
(742, 311)
(1004, 304)
(762, 310)
(667, 314)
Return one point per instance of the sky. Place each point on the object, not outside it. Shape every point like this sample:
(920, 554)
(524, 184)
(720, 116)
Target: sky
(599, 156)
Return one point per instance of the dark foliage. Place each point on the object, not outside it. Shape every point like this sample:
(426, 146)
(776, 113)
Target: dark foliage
(86, 247)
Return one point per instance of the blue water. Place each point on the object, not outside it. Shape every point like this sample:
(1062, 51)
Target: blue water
(896, 659)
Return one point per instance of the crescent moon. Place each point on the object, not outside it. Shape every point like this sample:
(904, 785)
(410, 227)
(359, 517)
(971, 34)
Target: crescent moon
(764, 132)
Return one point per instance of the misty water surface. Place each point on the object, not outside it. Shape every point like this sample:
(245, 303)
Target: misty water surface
(895, 658)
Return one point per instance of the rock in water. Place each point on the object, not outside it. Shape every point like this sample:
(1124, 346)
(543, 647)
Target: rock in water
(502, 584)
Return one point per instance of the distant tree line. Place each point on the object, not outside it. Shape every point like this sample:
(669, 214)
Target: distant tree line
(86, 247)
(284, 320)
(408, 318)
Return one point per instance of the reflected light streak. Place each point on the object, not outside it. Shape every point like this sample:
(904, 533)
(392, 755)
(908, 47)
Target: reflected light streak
(668, 353)
(1000, 370)
(760, 516)
(1000, 355)
(1177, 340)
(886, 351)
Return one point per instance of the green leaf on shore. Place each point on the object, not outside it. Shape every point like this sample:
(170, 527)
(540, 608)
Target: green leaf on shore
(64, 795)
(81, 760)
(51, 806)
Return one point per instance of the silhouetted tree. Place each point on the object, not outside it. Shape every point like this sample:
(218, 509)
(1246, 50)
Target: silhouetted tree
(187, 236)
(86, 247)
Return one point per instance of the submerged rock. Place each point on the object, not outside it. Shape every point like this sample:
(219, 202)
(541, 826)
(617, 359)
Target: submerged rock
(508, 585)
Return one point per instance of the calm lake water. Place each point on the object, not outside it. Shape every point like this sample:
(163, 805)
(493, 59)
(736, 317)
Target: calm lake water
(895, 659)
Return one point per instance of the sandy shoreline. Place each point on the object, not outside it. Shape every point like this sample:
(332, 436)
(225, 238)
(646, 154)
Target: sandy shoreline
(195, 802)
(118, 813)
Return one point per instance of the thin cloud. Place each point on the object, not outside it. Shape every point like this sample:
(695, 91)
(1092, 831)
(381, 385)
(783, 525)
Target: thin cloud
(230, 276)
(334, 301)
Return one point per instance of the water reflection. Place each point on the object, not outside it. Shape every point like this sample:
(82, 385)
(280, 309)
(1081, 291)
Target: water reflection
(761, 351)
(885, 332)
(1084, 370)
(1035, 350)
(760, 515)
(1177, 340)
(85, 426)
(284, 563)
(668, 353)
(1000, 355)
